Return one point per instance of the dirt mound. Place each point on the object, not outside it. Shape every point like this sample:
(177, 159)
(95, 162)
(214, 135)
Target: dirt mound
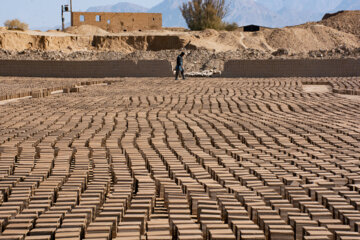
(20, 41)
(345, 21)
(87, 30)
(222, 41)
(309, 37)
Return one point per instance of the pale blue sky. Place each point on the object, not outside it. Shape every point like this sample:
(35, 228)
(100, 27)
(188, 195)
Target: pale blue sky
(40, 13)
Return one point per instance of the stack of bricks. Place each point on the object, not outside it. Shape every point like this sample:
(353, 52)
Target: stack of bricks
(236, 159)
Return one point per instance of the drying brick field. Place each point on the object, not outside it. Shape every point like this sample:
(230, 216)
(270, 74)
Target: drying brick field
(158, 159)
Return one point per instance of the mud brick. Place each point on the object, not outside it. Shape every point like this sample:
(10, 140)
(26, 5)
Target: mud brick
(286, 211)
(73, 233)
(190, 237)
(19, 226)
(280, 232)
(102, 236)
(217, 234)
(337, 208)
(265, 223)
(71, 223)
(74, 90)
(38, 237)
(351, 220)
(240, 227)
(249, 232)
(112, 221)
(12, 231)
(276, 204)
(47, 225)
(338, 235)
(12, 237)
(299, 224)
(219, 226)
(317, 231)
(42, 231)
(338, 228)
(255, 208)
(320, 215)
(233, 215)
(164, 237)
(253, 237)
(316, 238)
(182, 232)
(182, 225)
(275, 224)
(325, 222)
(102, 231)
(127, 230)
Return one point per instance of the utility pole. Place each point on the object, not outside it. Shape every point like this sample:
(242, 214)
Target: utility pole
(71, 12)
(62, 18)
(64, 8)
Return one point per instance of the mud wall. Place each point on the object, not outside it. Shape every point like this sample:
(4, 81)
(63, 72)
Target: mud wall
(292, 68)
(85, 69)
(118, 22)
(21, 41)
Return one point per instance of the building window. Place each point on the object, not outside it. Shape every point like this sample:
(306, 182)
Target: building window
(82, 18)
(153, 19)
(108, 21)
(98, 18)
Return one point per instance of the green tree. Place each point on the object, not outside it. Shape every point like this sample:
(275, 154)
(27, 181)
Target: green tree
(204, 14)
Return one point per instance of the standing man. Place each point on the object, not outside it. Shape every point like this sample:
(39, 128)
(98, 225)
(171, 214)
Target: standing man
(179, 66)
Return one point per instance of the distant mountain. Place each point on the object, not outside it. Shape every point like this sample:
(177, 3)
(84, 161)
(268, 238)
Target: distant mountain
(269, 13)
(295, 12)
(298, 12)
(273, 5)
(119, 7)
(170, 9)
(245, 12)
(242, 12)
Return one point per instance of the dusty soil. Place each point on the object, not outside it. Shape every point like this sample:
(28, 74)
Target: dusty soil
(317, 88)
(347, 21)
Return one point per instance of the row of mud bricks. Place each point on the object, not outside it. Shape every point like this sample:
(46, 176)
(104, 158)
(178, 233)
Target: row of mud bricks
(44, 92)
(281, 210)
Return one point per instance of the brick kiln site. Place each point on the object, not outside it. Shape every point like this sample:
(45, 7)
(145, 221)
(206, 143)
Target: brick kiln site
(154, 158)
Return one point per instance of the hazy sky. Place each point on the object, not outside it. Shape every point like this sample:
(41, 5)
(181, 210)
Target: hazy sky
(47, 12)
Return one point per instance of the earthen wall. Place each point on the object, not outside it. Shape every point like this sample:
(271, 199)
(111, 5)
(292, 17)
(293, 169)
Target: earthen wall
(85, 69)
(118, 22)
(292, 68)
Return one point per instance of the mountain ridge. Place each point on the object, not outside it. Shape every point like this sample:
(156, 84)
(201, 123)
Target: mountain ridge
(268, 13)
(119, 7)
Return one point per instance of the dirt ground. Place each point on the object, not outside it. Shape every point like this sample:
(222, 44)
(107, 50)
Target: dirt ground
(317, 88)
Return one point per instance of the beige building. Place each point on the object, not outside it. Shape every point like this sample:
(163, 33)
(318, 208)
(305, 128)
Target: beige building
(118, 22)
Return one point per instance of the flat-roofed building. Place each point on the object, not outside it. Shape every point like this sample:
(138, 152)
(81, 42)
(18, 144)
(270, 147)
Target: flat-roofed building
(118, 22)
